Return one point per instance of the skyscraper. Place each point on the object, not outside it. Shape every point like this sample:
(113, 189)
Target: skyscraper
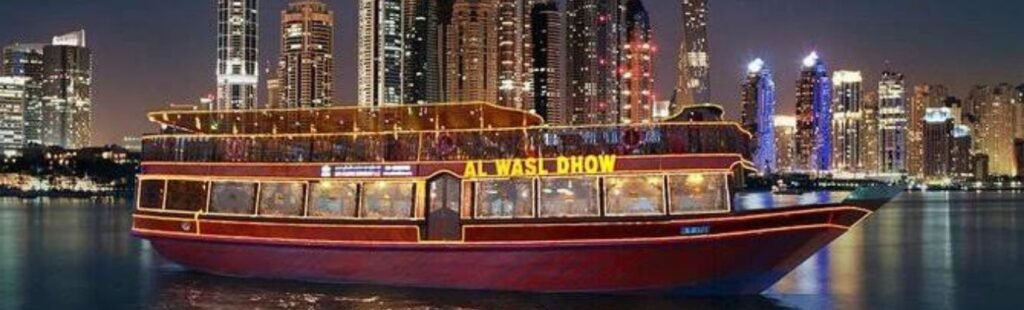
(472, 60)
(694, 84)
(514, 53)
(238, 71)
(422, 72)
(548, 50)
(994, 128)
(26, 60)
(381, 52)
(813, 141)
(67, 92)
(594, 36)
(937, 143)
(960, 154)
(758, 104)
(306, 68)
(847, 121)
(925, 97)
(870, 150)
(13, 96)
(893, 121)
(785, 142)
(638, 66)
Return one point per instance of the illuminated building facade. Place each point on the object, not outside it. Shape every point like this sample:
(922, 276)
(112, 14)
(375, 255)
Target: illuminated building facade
(515, 53)
(13, 97)
(814, 117)
(274, 94)
(381, 52)
(548, 50)
(937, 143)
(785, 142)
(26, 60)
(925, 97)
(893, 121)
(594, 37)
(472, 60)
(847, 121)
(870, 150)
(638, 66)
(1018, 148)
(993, 107)
(67, 92)
(307, 61)
(960, 155)
(423, 51)
(758, 104)
(1019, 107)
(694, 84)
(237, 54)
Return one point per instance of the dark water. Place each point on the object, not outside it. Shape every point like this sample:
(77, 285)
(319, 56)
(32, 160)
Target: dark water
(932, 251)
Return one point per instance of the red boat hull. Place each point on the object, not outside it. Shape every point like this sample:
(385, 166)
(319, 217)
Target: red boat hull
(743, 260)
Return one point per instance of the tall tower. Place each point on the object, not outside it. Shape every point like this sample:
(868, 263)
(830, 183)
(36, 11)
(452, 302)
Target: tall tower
(925, 97)
(422, 72)
(638, 66)
(694, 84)
(937, 143)
(893, 120)
(548, 50)
(814, 117)
(13, 96)
(237, 54)
(847, 120)
(381, 52)
(785, 142)
(594, 36)
(472, 60)
(67, 92)
(307, 54)
(869, 147)
(758, 104)
(994, 128)
(26, 60)
(515, 53)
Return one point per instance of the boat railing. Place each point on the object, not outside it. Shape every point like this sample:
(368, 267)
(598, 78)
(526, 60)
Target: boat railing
(451, 145)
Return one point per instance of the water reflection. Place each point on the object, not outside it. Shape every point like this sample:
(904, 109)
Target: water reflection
(936, 250)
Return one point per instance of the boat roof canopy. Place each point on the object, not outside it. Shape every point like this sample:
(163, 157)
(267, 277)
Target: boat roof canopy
(450, 116)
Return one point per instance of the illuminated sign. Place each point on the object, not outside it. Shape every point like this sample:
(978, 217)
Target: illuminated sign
(528, 167)
(366, 171)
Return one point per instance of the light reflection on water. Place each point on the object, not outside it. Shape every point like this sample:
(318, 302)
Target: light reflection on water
(936, 250)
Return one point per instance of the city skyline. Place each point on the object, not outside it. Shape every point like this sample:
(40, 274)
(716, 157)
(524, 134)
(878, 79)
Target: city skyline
(127, 59)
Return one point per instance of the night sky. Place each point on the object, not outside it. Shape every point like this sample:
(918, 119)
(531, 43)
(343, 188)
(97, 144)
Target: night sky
(149, 53)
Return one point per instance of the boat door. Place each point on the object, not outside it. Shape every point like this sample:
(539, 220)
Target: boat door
(445, 207)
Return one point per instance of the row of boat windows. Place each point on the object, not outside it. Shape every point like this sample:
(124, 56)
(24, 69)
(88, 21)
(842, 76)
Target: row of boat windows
(487, 199)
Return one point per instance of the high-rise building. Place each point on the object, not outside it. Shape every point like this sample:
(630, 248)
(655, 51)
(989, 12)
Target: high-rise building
(238, 72)
(1019, 111)
(515, 53)
(594, 36)
(26, 60)
(813, 141)
(1018, 148)
(893, 121)
(925, 96)
(785, 142)
(548, 50)
(993, 107)
(13, 97)
(638, 66)
(960, 154)
(381, 52)
(67, 92)
(472, 61)
(422, 72)
(757, 99)
(694, 84)
(870, 150)
(274, 94)
(306, 67)
(937, 143)
(847, 121)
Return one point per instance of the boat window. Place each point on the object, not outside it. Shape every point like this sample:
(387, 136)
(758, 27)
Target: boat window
(233, 198)
(699, 193)
(282, 199)
(569, 197)
(151, 194)
(333, 199)
(186, 195)
(635, 196)
(388, 200)
(496, 199)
